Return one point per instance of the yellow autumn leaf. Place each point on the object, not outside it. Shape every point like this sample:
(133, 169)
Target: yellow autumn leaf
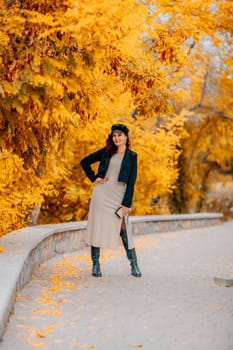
(3, 249)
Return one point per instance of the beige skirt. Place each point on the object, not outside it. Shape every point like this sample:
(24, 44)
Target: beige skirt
(103, 227)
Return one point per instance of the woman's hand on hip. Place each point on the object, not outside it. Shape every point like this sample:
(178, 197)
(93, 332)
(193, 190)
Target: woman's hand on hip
(101, 180)
(125, 210)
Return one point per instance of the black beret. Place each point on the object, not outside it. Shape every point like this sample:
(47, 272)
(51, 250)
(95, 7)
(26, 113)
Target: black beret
(120, 127)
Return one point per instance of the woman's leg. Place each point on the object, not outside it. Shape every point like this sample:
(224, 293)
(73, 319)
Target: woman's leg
(95, 254)
(131, 253)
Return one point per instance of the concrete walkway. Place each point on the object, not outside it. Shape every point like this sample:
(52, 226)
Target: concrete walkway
(174, 306)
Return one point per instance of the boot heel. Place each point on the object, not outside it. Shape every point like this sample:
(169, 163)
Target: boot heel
(135, 270)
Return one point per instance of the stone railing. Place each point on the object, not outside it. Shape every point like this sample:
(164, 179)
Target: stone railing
(28, 247)
(166, 223)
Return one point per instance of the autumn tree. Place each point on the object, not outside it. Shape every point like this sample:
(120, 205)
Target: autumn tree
(62, 64)
(206, 95)
(70, 69)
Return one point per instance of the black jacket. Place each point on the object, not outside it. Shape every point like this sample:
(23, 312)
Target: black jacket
(128, 170)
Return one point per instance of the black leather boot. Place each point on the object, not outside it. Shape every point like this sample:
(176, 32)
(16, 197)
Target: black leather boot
(95, 254)
(131, 255)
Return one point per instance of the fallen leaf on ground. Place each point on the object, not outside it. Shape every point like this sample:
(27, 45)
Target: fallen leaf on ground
(48, 311)
(35, 344)
(3, 249)
(42, 333)
(138, 345)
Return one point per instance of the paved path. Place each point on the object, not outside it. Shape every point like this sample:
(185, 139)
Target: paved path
(174, 306)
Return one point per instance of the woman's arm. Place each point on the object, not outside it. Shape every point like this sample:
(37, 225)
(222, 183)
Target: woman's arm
(90, 159)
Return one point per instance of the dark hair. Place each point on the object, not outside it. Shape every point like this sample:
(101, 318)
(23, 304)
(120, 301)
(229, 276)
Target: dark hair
(111, 148)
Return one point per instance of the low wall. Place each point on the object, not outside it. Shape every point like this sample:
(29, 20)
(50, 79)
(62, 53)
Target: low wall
(28, 247)
(166, 223)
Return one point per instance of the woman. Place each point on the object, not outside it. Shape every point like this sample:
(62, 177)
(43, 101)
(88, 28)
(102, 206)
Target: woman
(112, 197)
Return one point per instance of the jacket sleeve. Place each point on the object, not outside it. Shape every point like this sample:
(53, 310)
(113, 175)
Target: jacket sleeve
(90, 159)
(128, 196)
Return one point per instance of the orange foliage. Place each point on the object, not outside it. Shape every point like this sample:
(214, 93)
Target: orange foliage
(69, 69)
